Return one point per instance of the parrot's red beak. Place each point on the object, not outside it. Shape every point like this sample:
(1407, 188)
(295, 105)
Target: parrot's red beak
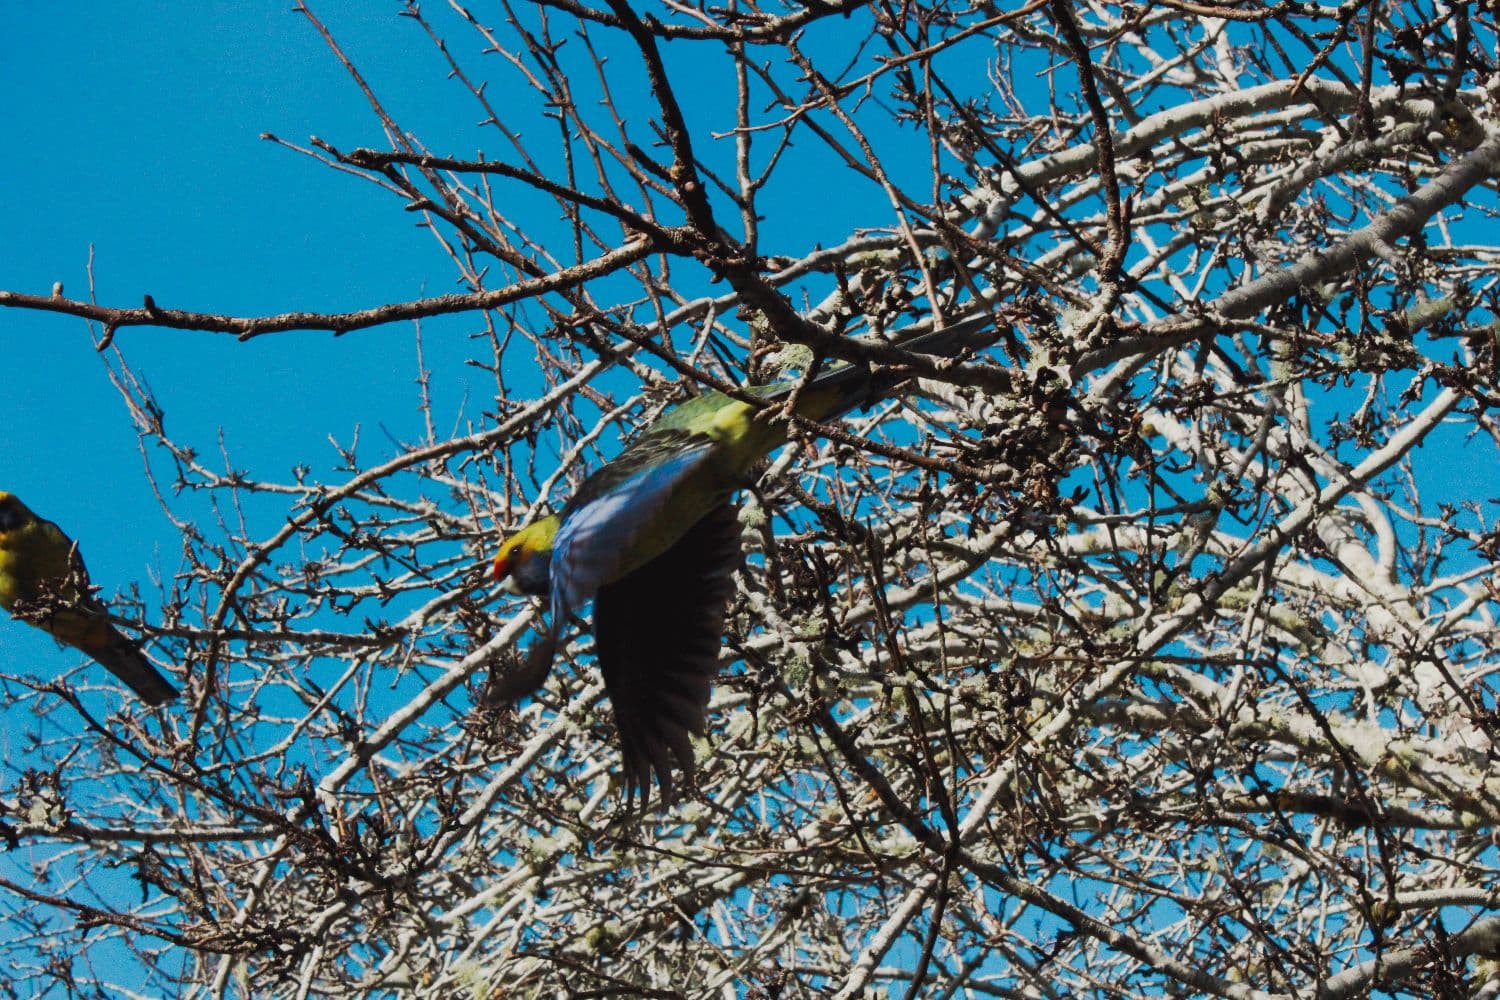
(501, 567)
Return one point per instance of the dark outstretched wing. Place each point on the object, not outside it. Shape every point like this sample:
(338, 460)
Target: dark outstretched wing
(658, 631)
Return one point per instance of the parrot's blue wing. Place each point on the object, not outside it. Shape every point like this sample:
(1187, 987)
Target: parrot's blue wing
(591, 546)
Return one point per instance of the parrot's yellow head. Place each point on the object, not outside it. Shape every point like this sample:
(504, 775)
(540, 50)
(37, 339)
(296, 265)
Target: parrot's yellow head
(524, 563)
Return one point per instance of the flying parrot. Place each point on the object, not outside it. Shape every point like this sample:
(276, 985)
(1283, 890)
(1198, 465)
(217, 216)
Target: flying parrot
(43, 582)
(654, 541)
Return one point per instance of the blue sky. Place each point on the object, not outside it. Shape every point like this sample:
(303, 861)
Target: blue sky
(136, 129)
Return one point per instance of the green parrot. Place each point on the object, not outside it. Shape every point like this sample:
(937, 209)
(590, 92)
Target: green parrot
(43, 582)
(654, 541)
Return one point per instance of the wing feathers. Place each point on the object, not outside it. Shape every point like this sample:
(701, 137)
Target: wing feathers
(657, 632)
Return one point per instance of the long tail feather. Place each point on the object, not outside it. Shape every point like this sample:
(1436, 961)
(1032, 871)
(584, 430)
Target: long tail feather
(123, 658)
(845, 387)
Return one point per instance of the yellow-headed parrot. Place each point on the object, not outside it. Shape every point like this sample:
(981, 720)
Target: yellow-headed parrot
(653, 540)
(43, 582)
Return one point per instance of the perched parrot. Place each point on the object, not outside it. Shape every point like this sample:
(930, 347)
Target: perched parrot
(654, 541)
(43, 582)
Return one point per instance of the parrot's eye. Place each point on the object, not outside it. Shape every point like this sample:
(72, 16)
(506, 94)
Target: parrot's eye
(10, 515)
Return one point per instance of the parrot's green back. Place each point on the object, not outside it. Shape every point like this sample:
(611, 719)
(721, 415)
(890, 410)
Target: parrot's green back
(32, 554)
(738, 435)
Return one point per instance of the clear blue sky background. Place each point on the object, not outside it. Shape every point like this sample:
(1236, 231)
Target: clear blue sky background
(136, 129)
